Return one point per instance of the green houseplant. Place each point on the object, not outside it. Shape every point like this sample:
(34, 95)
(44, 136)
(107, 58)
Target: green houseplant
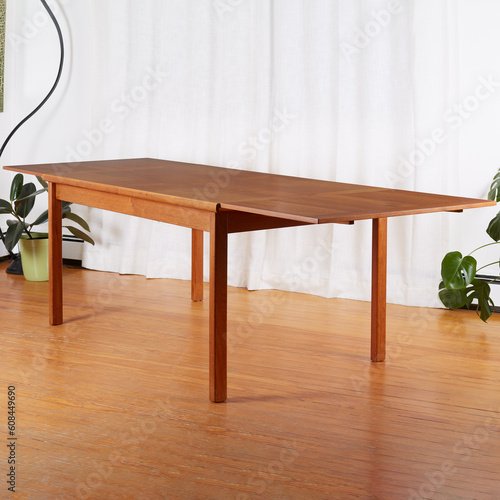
(460, 284)
(33, 245)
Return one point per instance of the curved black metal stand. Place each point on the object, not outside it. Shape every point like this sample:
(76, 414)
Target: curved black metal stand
(51, 91)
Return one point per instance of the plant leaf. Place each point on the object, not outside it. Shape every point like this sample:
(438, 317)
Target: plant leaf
(453, 299)
(11, 222)
(457, 271)
(42, 218)
(36, 193)
(16, 186)
(13, 235)
(494, 228)
(77, 219)
(23, 208)
(5, 207)
(80, 234)
(494, 193)
(480, 290)
(42, 182)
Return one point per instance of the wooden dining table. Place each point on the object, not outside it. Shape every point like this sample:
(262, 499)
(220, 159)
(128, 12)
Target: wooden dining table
(222, 201)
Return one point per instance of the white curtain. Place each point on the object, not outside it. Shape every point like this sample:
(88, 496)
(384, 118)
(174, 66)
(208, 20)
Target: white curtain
(378, 92)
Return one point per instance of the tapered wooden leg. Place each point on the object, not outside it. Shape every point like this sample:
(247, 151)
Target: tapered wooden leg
(379, 283)
(197, 265)
(218, 308)
(55, 258)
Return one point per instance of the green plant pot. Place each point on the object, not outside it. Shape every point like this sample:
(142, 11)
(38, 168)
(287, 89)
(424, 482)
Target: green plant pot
(35, 256)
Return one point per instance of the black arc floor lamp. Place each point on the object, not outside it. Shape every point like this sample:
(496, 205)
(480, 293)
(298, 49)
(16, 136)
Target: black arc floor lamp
(15, 267)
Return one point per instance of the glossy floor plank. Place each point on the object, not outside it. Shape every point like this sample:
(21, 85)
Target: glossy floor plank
(113, 404)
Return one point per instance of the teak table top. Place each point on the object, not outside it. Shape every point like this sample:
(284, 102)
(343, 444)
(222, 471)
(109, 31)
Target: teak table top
(213, 188)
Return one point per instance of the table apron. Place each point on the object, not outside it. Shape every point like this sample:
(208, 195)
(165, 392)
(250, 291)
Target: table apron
(138, 207)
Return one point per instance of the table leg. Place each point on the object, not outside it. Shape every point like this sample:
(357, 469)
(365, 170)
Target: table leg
(218, 307)
(197, 265)
(55, 258)
(379, 283)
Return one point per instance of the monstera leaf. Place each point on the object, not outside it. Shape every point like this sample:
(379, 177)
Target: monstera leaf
(452, 298)
(459, 286)
(494, 193)
(457, 271)
(480, 290)
(494, 228)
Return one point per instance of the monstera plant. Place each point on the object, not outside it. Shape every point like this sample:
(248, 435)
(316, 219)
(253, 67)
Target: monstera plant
(460, 284)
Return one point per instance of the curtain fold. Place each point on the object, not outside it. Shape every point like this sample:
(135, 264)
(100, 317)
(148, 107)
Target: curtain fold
(348, 91)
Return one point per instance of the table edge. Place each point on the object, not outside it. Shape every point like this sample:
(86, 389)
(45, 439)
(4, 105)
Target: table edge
(122, 191)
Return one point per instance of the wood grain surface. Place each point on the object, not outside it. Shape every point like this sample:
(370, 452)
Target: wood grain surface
(208, 188)
(112, 405)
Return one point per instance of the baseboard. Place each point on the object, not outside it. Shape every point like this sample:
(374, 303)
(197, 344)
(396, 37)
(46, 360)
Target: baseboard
(73, 263)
